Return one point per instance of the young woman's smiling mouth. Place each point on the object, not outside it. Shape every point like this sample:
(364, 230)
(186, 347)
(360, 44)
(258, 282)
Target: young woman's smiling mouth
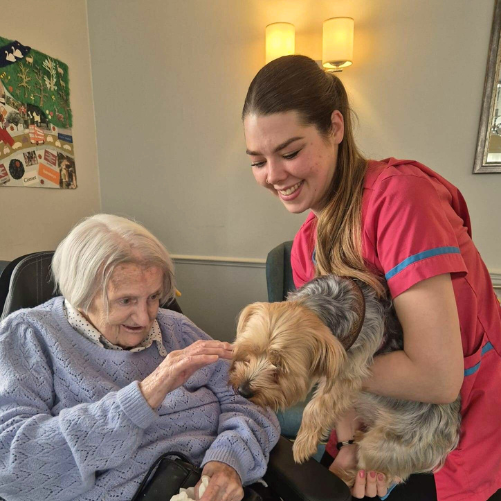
(291, 192)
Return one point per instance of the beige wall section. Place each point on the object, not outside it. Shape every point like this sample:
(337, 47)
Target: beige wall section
(214, 294)
(170, 78)
(37, 219)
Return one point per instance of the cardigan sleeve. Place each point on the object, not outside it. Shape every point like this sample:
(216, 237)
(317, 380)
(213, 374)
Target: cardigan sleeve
(60, 455)
(246, 432)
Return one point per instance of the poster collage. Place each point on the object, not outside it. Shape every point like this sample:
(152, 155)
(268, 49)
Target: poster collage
(36, 141)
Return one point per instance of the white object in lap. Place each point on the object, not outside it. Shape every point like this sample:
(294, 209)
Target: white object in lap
(189, 494)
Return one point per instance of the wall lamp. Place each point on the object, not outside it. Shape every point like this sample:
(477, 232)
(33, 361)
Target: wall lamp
(280, 40)
(337, 42)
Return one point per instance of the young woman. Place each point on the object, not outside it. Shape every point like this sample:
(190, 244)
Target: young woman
(396, 225)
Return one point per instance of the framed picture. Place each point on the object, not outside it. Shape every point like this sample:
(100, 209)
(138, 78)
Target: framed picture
(488, 153)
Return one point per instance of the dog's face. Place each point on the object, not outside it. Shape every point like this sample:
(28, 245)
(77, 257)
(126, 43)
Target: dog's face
(280, 352)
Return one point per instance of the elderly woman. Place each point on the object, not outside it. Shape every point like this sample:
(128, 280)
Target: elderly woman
(97, 384)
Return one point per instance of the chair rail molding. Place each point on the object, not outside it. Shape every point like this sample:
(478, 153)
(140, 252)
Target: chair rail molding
(243, 262)
(496, 279)
(247, 262)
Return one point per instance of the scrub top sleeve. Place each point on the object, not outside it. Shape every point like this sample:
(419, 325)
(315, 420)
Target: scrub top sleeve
(413, 236)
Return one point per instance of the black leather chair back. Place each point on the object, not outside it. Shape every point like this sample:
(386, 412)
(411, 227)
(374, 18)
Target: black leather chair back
(7, 269)
(29, 282)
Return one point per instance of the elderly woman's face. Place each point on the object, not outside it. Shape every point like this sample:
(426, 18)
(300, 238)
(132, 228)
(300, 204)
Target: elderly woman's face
(133, 295)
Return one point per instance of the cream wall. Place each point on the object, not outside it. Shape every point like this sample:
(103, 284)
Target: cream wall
(170, 78)
(36, 219)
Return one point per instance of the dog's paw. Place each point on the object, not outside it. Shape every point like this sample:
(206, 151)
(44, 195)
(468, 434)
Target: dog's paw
(304, 447)
(299, 456)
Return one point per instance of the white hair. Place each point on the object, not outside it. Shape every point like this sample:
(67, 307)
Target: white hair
(85, 260)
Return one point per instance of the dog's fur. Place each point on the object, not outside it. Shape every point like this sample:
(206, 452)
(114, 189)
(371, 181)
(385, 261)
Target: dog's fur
(283, 349)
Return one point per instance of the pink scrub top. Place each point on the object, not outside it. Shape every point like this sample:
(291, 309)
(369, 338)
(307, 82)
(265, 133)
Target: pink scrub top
(415, 226)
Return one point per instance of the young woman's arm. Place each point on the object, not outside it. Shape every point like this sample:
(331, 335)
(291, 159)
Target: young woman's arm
(430, 368)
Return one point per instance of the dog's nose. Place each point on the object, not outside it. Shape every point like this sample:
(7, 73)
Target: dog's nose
(245, 390)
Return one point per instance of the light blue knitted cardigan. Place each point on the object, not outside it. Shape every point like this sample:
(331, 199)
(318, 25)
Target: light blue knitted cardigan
(74, 424)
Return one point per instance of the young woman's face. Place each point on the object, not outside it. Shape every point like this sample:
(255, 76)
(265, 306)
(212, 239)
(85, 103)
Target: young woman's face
(292, 160)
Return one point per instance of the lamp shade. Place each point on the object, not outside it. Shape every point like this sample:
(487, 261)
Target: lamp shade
(280, 40)
(337, 49)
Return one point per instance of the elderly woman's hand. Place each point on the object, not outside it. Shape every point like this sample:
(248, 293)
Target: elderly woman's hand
(224, 483)
(178, 366)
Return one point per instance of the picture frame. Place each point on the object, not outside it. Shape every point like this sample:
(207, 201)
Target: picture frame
(488, 151)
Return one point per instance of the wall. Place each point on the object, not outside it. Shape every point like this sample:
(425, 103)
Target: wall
(170, 78)
(36, 219)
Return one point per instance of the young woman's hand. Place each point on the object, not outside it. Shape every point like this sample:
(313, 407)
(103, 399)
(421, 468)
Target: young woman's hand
(179, 365)
(370, 484)
(224, 483)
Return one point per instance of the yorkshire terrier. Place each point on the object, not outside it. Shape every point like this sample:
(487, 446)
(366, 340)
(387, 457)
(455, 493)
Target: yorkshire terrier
(327, 334)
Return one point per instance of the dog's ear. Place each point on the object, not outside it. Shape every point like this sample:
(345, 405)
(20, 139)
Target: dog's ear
(329, 355)
(246, 314)
(280, 362)
(359, 308)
